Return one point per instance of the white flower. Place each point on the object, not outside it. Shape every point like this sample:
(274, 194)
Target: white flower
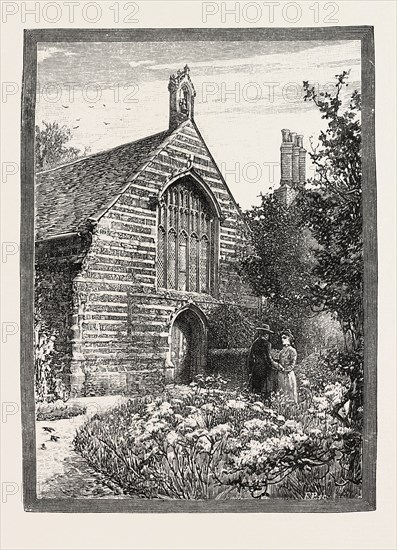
(342, 430)
(321, 403)
(235, 404)
(177, 401)
(220, 429)
(165, 409)
(256, 425)
(191, 422)
(292, 425)
(172, 437)
(298, 437)
(153, 427)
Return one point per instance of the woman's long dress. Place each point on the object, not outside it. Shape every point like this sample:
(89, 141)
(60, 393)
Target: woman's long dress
(287, 360)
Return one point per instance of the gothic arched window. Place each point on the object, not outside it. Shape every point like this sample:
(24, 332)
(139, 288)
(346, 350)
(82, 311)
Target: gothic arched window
(187, 236)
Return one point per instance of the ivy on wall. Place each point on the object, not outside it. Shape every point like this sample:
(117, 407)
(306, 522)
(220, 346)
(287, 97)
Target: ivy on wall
(53, 309)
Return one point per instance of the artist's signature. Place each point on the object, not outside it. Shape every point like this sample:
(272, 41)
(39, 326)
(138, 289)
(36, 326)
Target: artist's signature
(314, 496)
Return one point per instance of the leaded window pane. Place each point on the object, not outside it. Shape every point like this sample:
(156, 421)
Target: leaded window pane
(204, 264)
(193, 257)
(182, 261)
(171, 260)
(160, 259)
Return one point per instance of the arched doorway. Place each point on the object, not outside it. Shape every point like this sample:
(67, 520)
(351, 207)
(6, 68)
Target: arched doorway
(188, 344)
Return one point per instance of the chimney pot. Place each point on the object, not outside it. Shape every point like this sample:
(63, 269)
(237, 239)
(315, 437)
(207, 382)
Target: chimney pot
(286, 135)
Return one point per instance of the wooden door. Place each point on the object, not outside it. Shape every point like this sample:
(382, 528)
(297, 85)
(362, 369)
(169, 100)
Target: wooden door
(181, 350)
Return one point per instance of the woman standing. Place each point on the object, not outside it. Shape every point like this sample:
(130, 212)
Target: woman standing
(286, 365)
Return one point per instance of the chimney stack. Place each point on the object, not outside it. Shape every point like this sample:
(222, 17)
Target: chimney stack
(302, 161)
(295, 158)
(293, 166)
(286, 158)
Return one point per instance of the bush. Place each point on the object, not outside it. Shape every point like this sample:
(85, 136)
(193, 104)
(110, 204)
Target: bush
(229, 327)
(202, 442)
(59, 410)
(316, 372)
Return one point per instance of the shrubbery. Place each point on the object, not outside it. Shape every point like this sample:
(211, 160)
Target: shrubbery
(202, 442)
(229, 327)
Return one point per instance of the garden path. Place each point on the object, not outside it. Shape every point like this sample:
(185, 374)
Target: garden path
(63, 473)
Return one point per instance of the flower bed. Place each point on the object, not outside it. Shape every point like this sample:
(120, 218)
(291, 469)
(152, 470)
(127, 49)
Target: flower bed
(58, 410)
(201, 442)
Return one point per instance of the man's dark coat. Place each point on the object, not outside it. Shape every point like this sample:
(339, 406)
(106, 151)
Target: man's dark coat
(260, 367)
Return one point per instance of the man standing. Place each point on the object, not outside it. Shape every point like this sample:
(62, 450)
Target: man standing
(260, 363)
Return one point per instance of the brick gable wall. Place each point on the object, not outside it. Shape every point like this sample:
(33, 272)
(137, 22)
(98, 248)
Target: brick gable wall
(124, 319)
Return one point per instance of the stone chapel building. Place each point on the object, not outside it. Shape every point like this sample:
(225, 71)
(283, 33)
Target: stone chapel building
(136, 245)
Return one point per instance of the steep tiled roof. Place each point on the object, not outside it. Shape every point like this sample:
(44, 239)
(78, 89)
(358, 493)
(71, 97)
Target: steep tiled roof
(70, 194)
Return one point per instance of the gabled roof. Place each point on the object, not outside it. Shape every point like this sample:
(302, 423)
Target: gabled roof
(67, 196)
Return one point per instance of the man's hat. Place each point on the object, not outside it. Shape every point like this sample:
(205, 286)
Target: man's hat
(265, 328)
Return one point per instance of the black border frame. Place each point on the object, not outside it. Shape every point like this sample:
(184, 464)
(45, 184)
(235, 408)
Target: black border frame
(31, 37)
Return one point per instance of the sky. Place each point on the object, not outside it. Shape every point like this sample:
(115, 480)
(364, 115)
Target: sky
(114, 92)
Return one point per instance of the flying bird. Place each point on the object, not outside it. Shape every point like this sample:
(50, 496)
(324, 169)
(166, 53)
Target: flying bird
(65, 106)
(103, 104)
(48, 429)
(128, 108)
(78, 119)
(75, 127)
(43, 447)
(54, 438)
(90, 106)
(106, 123)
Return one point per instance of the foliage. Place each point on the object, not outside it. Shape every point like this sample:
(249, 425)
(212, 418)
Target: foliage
(46, 385)
(59, 410)
(50, 146)
(280, 269)
(202, 442)
(331, 206)
(345, 369)
(316, 372)
(229, 327)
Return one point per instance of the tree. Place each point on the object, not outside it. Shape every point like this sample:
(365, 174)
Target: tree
(308, 258)
(281, 265)
(331, 206)
(50, 146)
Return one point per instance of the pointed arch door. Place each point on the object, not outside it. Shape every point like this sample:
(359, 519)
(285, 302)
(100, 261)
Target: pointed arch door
(188, 346)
